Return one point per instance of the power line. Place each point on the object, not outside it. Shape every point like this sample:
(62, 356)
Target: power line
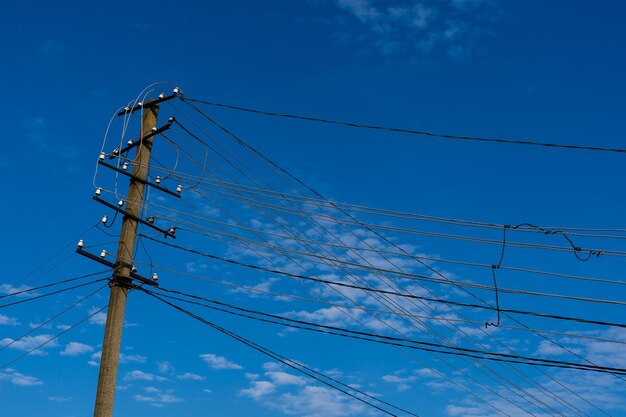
(279, 295)
(236, 138)
(315, 192)
(395, 293)
(272, 164)
(290, 363)
(11, 362)
(409, 131)
(519, 359)
(164, 216)
(442, 359)
(479, 368)
(352, 221)
(51, 285)
(51, 293)
(410, 275)
(208, 183)
(40, 325)
(38, 267)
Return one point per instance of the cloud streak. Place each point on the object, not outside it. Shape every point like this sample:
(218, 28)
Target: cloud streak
(414, 27)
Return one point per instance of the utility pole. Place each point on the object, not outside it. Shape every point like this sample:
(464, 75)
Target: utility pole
(120, 283)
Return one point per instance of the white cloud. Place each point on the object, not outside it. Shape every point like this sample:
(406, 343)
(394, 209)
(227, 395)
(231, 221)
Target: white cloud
(219, 362)
(28, 343)
(190, 376)
(19, 379)
(427, 373)
(314, 401)
(401, 383)
(410, 27)
(59, 399)
(283, 378)
(290, 395)
(10, 289)
(75, 349)
(137, 375)
(263, 286)
(99, 318)
(166, 368)
(124, 358)
(258, 389)
(8, 321)
(331, 316)
(158, 399)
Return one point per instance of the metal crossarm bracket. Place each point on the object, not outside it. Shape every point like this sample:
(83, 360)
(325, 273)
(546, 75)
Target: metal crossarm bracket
(134, 144)
(151, 184)
(145, 105)
(137, 219)
(113, 266)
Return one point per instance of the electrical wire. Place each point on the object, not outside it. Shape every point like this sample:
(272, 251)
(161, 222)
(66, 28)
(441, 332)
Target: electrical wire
(455, 350)
(37, 297)
(426, 278)
(301, 183)
(395, 293)
(297, 366)
(222, 128)
(51, 319)
(355, 248)
(284, 296)
(351, 221)
(306, 200)
(56, 336)
(410, 131)
(53, 284)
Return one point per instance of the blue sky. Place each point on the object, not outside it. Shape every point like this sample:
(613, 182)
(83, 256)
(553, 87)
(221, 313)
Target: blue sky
(551, 72)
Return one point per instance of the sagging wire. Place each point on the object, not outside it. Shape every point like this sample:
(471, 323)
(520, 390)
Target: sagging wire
(576, 249)
(495, 281)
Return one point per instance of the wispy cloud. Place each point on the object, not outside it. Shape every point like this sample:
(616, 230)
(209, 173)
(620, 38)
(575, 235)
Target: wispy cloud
(166, 367)
(138, 375)
(8, 321)
(190, 376)
(258, 389)
(19, 379)
(219, 362)
(414, 27)
(11, 289)
(293, 395)
(158, 398)
(403, 383)
(76, 349)
(59, 399)
(28, 343)
(99, 318)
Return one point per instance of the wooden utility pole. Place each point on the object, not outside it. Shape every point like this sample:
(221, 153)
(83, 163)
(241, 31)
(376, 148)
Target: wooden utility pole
(120, 283)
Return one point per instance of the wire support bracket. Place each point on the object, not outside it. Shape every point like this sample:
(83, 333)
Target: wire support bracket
(116, 152)
(129, 110)
(115, 266)
(166, 233)
(134, 178)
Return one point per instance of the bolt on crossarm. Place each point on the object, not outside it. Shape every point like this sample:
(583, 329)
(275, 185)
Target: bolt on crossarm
(120, 282)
